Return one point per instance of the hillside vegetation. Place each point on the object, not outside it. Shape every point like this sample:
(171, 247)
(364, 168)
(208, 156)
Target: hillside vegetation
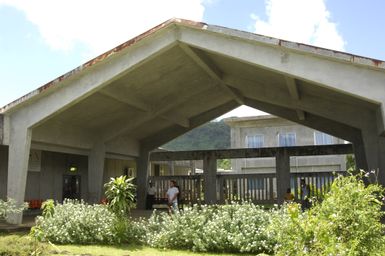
(212, 135)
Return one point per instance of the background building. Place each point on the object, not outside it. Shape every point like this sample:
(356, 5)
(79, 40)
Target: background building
(272, 131)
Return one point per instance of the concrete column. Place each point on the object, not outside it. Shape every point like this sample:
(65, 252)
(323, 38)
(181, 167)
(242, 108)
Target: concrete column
(282, 163)
(95, 172)
(375, 153)
(359, 153)
(192, 166)
(142, 178)
(171, 165)
(210, 178)
(19, 148)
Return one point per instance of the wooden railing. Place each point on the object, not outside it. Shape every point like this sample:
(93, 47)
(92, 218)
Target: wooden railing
(245, 188)
(319, 182)
(256, 188)
(191, 187)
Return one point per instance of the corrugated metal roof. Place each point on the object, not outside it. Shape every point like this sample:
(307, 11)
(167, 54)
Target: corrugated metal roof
(217, 29)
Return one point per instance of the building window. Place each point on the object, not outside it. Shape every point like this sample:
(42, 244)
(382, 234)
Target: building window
(254, 141)
(286, 139)
(321, 138)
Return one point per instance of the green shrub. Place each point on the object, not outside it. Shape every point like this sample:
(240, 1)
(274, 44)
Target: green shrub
(48, 208)
(120, 193)
(225, 228)
(347, 222)
(75, 222)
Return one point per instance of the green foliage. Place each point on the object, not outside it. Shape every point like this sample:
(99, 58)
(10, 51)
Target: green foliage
(350, 162)
(224, 164)
(212, 135)
(48, 208)
(10, 206)
(224, 228)
(20, 245)
(75, 222)
(120, 193)
(347, 222)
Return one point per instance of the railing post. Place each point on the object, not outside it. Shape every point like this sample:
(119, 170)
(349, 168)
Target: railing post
(222, 184)
(282, 163)
(210, 178)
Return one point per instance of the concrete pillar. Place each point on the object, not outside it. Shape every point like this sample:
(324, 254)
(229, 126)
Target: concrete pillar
(192, 166)
(210, 178)
(142, 178)
(282, 163)
(19, 148)
(359, 153)
(95, 172)
(374, 146)
(171, 165)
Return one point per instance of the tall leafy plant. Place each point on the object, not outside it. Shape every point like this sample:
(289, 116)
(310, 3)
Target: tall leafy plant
(120, 193)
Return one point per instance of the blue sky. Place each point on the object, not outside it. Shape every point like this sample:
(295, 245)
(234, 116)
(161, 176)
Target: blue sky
(42, 39)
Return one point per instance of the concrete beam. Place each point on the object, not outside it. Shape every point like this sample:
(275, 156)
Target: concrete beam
(339, 149)
(18, 156)
(141, 106)
(170, 104)
(127, 100)
(294, 93)
(342, 76)
(172, 132)
(80, 85)
(338, 111)
(319, 123)
(212, 70)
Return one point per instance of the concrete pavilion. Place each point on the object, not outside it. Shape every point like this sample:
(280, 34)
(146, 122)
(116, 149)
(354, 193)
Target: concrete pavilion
(182, 74)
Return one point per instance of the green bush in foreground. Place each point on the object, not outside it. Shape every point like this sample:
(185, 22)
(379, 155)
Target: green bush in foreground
(221, 228)
(75, 222)
(347, 222)
(120, 193)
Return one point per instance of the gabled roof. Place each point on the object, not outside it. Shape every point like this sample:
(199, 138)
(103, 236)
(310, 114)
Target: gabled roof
(305, 48)
(182, 74)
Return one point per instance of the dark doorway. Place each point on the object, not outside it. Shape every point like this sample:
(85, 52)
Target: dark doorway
(71, 187)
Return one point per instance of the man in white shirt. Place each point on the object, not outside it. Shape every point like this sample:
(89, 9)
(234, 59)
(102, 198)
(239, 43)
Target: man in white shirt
(172, 197)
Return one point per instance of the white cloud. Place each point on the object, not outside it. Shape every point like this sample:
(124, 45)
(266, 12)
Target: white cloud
(304, 21)
(99, 25)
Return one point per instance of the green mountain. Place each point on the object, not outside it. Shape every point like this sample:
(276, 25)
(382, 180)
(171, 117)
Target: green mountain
(212, 135)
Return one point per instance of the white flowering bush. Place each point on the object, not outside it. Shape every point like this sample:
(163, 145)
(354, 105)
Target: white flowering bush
(75, 222)
(222, 228)
(10, 206)
(347, 222)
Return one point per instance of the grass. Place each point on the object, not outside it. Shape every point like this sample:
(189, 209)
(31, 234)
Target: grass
(125, 250)
(21, 244)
